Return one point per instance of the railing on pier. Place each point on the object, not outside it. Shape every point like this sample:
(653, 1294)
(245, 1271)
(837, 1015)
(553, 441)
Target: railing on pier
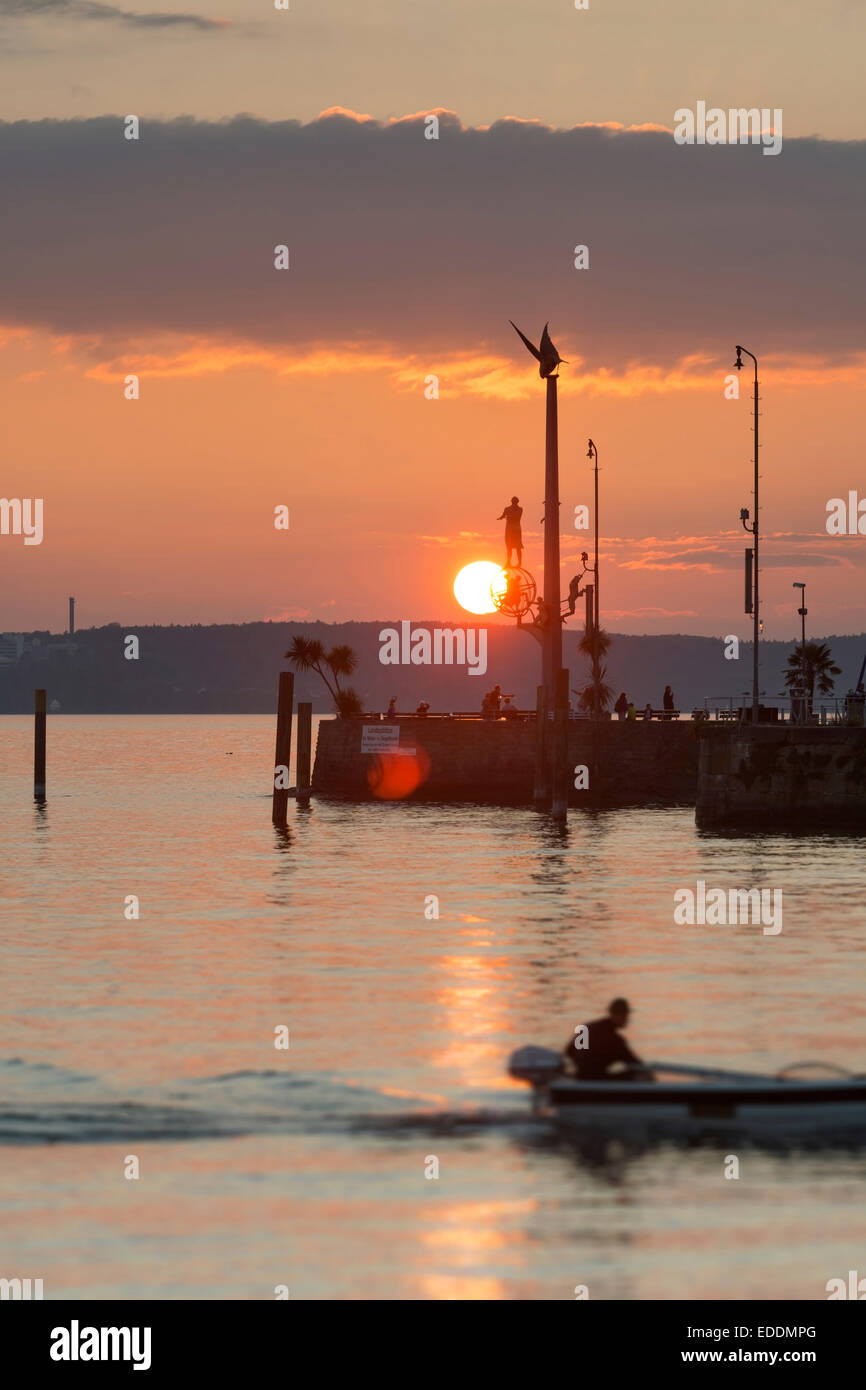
(717, 708)
(734, 708)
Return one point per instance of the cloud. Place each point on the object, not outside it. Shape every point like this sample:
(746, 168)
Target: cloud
(419, 251)
(719, 554)
(620, 613)
(94, 9)
(176, 355)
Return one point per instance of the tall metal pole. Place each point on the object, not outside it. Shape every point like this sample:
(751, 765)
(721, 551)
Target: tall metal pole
(553, 631)
(756, 685)
(803, 630)
(803, 639)
(756, 681)
(592, 452)
(549, 624)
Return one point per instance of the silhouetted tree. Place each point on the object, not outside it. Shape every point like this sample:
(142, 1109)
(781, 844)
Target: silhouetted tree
(308, 654)
(595, 643)
(811, 666)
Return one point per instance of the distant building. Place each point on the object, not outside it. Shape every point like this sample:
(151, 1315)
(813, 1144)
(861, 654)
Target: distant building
(11, 648)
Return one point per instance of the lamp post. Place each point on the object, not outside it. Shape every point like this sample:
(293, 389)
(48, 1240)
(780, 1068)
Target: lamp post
(592, 453)
(753, 530)
(802, 611)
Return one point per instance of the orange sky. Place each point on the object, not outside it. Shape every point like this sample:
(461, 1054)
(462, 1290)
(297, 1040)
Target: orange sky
(161, 509)
(408, 256)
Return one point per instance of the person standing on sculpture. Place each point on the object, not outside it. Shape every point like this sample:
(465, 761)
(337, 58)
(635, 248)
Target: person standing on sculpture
(513, 533)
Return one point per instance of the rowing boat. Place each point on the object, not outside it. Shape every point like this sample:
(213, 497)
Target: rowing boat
(698, 1100)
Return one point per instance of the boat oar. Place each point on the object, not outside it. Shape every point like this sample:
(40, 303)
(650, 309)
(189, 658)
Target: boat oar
(679, 1069)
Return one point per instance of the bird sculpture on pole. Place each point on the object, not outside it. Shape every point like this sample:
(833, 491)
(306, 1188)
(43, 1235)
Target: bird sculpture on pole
(545, 354)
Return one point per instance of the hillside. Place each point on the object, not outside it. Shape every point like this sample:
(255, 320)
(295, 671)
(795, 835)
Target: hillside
(233, 669)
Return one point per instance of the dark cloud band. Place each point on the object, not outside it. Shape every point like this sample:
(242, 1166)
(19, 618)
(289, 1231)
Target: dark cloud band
(95, 10)
(432, 245)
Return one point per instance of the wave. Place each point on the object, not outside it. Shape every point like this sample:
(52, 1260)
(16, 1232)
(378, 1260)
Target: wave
(36, 1108)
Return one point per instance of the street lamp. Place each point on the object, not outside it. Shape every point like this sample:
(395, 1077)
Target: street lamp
(802, 610)
(592, 453)
(753, 530)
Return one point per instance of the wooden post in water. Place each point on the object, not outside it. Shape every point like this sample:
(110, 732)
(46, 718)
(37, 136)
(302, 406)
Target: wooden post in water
(285, 700)
(540, 791)
(39, 745)
(559, 769)
(305, 750)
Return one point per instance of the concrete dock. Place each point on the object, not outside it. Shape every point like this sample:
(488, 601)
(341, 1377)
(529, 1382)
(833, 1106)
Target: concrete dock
(440, 759)
(782, 776)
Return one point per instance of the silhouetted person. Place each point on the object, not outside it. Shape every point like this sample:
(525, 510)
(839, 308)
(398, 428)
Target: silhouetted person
(621, 705)
(513, 532)
(422, 709)
(392, 707)
(604, 1046)
(668, 702)
(648, 712)
(631, 712)
(491, 702)
(513, 594)
(573, 592)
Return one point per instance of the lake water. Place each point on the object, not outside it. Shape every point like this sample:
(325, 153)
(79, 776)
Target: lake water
(306, 1167)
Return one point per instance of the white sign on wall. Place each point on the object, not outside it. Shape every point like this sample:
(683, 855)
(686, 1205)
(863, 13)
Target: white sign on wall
(382, 738)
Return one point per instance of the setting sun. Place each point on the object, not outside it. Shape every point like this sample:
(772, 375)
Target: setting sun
(472, 587)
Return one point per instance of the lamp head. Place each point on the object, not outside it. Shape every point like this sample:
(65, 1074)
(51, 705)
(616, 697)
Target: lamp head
(744, 514)
(591, 450)
(739, 362)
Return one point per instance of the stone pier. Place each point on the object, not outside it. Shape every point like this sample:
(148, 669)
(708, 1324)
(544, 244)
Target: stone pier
(639, 762)
(782, 776)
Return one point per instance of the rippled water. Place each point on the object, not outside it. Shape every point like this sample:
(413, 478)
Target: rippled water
(306, 1167)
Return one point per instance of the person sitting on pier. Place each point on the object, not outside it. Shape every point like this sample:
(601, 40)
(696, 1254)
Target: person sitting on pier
(422, 709)
(491, 702)
(597, 1046)
(648, 712)
(392, 707)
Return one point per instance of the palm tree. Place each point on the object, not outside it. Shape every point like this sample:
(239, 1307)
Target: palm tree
(586, 696)
(595, 643)
(342, 661)
(811, 666)
(308, 654)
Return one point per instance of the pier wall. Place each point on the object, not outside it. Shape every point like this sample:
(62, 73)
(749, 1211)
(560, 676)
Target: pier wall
(639, 762)
(809, 777)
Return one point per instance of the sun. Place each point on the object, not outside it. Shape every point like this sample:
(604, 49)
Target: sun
(472, 586)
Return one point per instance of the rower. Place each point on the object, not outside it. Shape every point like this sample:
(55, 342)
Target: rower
(596, 1046)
